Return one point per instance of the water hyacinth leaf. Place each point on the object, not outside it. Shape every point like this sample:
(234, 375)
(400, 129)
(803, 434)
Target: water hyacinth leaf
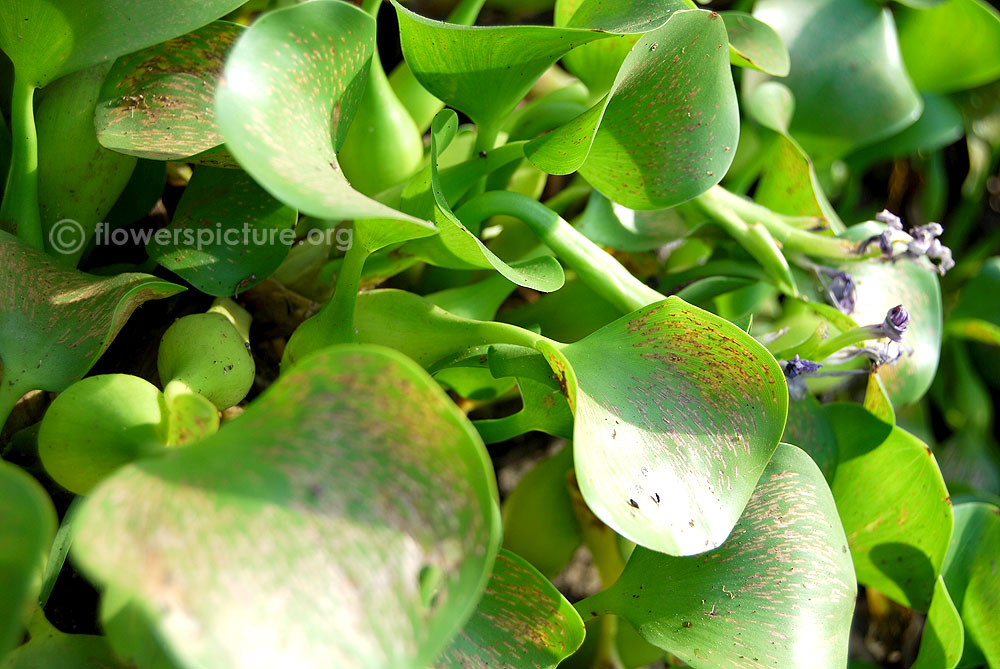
(53, 648)
(597, 63)
(538, 519)
(55, 322)
(881, 286)
(810, 429)
(967, 30)
(456, 246)
(483, 71)
(27, 525)
(977, 314)
(943, 638)
(893, 503)
(78, 180)
(521, 621)
(276, 120)
(398, 567)
(159, 103)
(970, 572)
(227, 233)
(877, 401)
(779, 592)
(939, 125)
(99, 424)
(844, 54)
(667, 129)
(753, 43)
(677, 413)
(611, 224)
(46, 39)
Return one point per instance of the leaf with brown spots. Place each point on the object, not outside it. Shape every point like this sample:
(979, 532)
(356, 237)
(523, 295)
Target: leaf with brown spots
(676, 404)
(522, 621)
(289, 91)
(597, 63)
(46, 39)
(972, 575)
(893, 503)
(227, 235)
(160, 102)
(55, 322)
(778, 593)
(347, 519)
(27, 526)
(668, 128)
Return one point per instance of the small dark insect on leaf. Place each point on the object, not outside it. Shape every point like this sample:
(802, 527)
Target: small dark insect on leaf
(634, 504)
(243, 284)
(482, 154)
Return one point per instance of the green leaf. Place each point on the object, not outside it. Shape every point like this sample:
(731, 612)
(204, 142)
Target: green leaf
(666, 130)
(78, 179)
(456, 246)
(375, 496)
(483, 71)
(943, 638)
(276, 120)
(692, 409)
(98, 425)
(779, 592)
(160, 102)
(55, 322)
(46, 39)
(977, 314)
(970, 572)
(521, 621)
(952, 46)
(810, 429)
(893, 503)
(753, 43)
(597, 63)
(877, 401)
(610, 224)
(27, 525)
(226, 235)
(881, 286)
(538, 519)
(939, 125)
(66, 651)
(844, 55)
(544, 410)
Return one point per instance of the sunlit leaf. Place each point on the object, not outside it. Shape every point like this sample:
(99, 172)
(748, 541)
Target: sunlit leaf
(778, 593)
(351, 495)
(754, 44)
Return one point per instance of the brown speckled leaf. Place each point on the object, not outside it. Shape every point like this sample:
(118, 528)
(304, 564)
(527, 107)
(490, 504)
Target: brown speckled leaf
(522, 621)
(160, 102)
(288, 93)
(55, 322)
(347, 519)
(248, 233)
(667, 130)
(46, 39)
(778, 593)
(677, 413)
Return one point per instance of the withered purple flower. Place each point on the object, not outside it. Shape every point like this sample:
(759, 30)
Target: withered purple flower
(841, 292)
(896, 321)
(797, 367)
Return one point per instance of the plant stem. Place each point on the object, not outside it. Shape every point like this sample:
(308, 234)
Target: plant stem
(466, 12)
(843, 340)
(596, 268)
(337, 315)
(19, 210)
(716, 201)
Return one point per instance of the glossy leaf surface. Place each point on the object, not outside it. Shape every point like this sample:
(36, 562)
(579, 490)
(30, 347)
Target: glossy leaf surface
(375, 497)
(160, 102)
(893, 503)
(677, 413)
(778, 593)
(667, 129)
(521, 621)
